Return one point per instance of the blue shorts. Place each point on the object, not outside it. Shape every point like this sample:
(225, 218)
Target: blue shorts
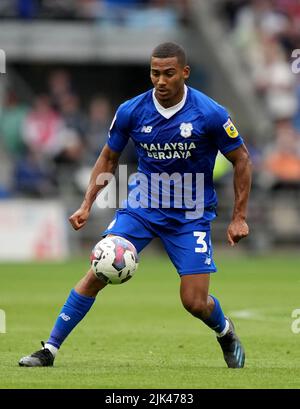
(188, 244)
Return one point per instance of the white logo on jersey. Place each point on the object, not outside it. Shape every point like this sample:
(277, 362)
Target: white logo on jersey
(112, 124)
(186, 130)
(147, 129)
(111, 224)
(207, 261)
(64, 316)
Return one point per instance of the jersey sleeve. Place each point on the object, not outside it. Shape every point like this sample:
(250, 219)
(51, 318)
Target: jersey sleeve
(222, 130)
(118, 135)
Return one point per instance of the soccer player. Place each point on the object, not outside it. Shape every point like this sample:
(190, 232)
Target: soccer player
(175, 129)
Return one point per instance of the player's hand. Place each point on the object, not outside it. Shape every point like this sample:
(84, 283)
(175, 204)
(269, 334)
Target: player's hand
(237, 230)
(79, 218)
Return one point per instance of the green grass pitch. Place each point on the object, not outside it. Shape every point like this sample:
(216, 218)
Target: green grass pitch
(139, 336)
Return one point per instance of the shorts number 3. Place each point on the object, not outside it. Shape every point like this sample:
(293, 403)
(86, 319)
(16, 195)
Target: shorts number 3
(200, 241)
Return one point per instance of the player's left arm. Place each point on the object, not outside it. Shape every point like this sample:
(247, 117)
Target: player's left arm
(238, 227)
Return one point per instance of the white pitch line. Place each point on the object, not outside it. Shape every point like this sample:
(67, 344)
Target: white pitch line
(247, 315)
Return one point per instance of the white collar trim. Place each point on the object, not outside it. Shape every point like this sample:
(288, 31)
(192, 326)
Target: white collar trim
(169, 112)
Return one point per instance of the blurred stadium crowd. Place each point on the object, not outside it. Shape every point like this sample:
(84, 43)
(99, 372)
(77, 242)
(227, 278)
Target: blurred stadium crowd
(264, 33)
(124, 12)
(52, 136)
(47, 140)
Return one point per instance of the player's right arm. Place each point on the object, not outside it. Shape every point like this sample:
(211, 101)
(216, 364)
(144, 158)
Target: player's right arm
(106, 163)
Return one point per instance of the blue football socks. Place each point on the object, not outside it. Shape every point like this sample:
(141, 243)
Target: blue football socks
(217, 320)
(73, 311)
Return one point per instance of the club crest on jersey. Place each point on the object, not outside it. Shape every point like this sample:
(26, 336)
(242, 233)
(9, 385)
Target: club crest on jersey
(186, 130)
(230, 129)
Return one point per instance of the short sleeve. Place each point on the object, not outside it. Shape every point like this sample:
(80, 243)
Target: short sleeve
(224, 133)
(118, 135)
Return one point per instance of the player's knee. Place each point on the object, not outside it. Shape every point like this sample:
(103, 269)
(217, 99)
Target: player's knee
(195, 306)
(90, 285)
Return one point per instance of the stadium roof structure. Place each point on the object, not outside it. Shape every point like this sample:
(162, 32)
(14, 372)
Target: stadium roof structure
(82, 42)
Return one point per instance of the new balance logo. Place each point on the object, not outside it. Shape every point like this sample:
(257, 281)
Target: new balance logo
(147, 129)
(64, 316)
(207, 261)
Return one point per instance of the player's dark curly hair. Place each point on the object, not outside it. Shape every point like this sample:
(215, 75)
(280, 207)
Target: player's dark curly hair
(168, 50)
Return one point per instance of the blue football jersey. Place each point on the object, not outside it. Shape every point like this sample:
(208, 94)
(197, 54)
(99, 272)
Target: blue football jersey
(185, 144)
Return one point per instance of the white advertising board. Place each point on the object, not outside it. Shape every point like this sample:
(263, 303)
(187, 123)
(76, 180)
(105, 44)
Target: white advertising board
(32, 230)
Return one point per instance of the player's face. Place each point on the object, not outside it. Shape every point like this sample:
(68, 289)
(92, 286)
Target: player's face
(168, 78)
